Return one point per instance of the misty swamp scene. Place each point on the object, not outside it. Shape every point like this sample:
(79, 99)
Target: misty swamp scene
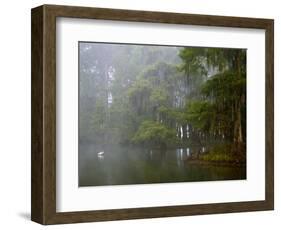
(160, 114)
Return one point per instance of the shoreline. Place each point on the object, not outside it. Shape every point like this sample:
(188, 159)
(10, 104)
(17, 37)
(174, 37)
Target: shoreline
(215, 163)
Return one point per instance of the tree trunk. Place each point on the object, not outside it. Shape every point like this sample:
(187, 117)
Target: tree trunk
(237, 136)
(179, 131)
(184, 131)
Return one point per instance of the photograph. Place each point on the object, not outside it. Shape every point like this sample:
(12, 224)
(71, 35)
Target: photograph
(160, 114)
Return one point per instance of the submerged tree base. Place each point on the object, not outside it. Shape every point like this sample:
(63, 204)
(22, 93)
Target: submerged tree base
(229, 164)
(221, 155)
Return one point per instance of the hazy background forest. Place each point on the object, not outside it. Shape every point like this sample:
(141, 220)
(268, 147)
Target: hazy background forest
(152, 114)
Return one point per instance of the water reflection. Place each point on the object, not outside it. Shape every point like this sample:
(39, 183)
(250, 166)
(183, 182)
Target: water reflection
(101, 157)
(182, 154)
(125, 165)
(203, 149)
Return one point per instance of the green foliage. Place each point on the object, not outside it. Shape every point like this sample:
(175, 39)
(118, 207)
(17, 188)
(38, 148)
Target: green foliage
(98, 118)
(219, 109)
(193, 60)
(226, 86)
(200, 114)
(158, 93)
(174, 114)
(158, 97)
(220, 153)
(218, 157)
(140, 86)
(139, 95)
(154, 133)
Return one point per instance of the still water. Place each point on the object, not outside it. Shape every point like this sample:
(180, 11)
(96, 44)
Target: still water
(117, 165)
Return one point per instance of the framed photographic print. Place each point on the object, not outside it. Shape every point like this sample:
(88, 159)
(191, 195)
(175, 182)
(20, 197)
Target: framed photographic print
(140, 114)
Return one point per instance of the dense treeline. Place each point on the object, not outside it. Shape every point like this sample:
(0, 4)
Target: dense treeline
(162, 97)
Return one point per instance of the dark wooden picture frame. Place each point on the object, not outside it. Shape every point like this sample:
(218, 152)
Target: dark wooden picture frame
(43, 170)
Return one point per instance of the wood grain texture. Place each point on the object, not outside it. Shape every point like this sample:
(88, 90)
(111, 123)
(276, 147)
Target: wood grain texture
(37, 115)
(269, 116)
(44, 114)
